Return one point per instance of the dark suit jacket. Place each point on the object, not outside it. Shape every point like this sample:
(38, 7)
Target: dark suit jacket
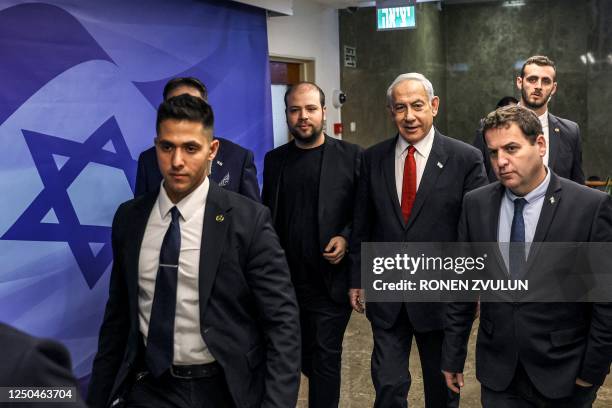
(31, 362)
(232, 169)
(248, 311)
(555, 342)
(337, 188)
(565, 150)
(453, 168)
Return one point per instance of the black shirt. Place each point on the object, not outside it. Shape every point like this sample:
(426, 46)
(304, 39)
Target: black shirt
(298, 215)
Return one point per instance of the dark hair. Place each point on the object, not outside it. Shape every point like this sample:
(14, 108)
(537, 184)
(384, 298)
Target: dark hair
(293, 87)
(185, 107)
(506, 100)
(192, 82)
(540, 60)
(524, 118)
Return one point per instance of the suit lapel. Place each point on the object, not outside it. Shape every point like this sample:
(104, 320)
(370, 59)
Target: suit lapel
(553, 140)
(491, 215)
(388, 168)
(138, 224)
(214, 229)
(433, 168)
(329, 166)
(551, 202)
(549, 208)
(216, 168)
(283, 153)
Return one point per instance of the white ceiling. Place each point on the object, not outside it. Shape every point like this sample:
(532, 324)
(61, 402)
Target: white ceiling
(361, 3)
(346, 3)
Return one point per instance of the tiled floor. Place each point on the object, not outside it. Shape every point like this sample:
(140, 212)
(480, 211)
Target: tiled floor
(357, 390)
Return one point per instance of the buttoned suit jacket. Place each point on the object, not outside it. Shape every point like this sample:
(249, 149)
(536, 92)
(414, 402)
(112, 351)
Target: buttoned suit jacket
(233, 169)
(337, 188)
(33, 362)
(452, 169)
(555, 342)
(248, 311)
(564, 152)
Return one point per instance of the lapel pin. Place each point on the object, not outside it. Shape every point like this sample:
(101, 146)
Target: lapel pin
(219, 218)
(552, 200)
(557, 130)
(440, 165)
(225, 180)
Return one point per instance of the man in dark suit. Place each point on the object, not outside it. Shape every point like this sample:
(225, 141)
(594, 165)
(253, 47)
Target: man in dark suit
(410, 190)
(479, 142)
(31, 362)
(309, 185)
(201, 309)
(538, 83)
(531, 354)
(233, 167)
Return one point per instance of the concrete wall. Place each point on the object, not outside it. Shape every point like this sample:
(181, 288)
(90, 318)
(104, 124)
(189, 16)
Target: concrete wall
(472, 53)
(382, 56)
(311, 33)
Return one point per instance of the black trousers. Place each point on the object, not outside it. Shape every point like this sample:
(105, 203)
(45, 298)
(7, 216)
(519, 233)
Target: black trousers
(521, 393)
(323, 323)
(390, 372)
(169, 392)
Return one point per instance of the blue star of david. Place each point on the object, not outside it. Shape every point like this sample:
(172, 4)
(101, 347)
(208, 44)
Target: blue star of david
(54, 195)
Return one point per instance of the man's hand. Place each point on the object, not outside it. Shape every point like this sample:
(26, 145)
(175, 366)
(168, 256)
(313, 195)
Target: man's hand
(453, 380)
(357, 299)
(335, 250)
(581, 383)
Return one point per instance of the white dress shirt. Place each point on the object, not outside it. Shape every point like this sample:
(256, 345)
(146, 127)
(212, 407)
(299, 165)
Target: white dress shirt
(544, 121)
(423, 148)
(189, 347)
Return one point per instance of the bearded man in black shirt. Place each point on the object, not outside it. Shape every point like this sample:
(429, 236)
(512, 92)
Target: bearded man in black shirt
(309, 186)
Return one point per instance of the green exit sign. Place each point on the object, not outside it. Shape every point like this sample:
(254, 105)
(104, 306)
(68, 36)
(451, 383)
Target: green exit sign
(394, 18)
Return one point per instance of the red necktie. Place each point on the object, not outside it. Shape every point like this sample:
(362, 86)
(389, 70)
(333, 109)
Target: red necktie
(409, 183)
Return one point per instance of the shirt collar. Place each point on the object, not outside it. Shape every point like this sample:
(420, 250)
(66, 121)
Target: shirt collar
(422, 147)
(544, 119)
(188, 206)
(536, 193)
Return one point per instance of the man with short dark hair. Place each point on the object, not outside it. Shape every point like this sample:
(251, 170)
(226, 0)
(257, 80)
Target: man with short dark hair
(201, 309)
(309, 185)
(530, 354)
(410, 190)
(479, 141)
(506, 101)
(184, 85)
(233, 167)
(538, 83)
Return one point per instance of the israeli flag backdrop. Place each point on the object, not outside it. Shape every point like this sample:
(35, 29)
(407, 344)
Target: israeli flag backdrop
(80, 85)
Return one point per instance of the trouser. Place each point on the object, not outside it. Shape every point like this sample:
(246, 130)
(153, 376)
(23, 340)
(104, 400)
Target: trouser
(323, 323)
(390, 359)
(521, 393)
(170, 392)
